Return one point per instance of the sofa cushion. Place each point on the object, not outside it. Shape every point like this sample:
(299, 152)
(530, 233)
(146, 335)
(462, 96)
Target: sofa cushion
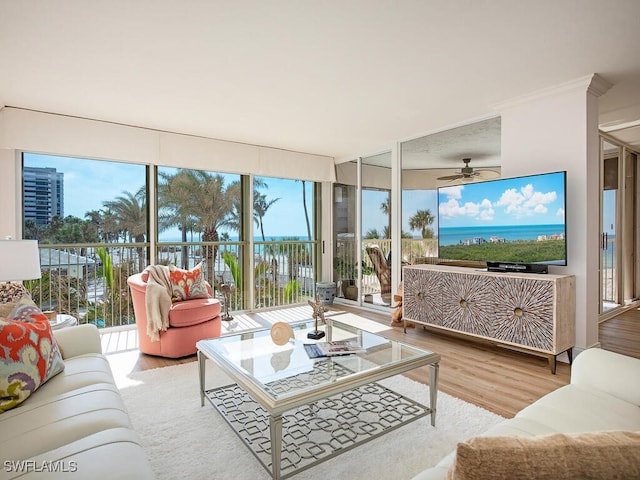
(592, 455)
(187, 284)
(29, 356)
(114, 453)
(47, 422)
(570, 409)
(193, 312)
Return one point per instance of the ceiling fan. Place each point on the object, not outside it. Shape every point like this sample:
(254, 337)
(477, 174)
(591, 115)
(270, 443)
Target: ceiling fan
(468, 174)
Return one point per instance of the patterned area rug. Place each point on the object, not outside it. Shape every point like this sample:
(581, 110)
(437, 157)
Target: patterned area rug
(184, 440)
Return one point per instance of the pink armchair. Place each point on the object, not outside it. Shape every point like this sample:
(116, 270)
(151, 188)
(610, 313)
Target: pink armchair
(189, 321)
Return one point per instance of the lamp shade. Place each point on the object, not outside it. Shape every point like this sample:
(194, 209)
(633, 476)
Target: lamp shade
(19, 260)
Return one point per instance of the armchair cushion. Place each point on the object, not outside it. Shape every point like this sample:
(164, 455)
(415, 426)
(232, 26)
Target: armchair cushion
(193, 312)
(187, 284)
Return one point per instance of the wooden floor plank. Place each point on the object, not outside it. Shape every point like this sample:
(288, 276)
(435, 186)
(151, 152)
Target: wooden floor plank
(495, 378)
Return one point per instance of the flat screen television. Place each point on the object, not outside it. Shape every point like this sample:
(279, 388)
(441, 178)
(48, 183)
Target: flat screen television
(513, 224)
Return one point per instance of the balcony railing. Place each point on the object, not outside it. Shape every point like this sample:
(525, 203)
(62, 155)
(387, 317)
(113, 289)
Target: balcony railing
(89, 281)
(345, 261)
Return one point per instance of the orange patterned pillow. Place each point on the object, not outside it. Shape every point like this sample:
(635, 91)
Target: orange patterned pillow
(187, 284)
(29, 356)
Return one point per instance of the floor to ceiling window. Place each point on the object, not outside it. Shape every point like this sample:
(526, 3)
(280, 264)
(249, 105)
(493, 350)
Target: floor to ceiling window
(619, 247)
(376, 231)
(98, 222)
(346, 230)
(199, 221)
(284, 240)
(86, 215)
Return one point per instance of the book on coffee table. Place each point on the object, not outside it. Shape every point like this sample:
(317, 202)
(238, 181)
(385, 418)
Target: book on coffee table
(332, 349)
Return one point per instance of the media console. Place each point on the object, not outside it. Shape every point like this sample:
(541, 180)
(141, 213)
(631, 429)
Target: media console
(524, 311)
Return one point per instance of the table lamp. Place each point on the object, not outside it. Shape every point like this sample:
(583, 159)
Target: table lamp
(19, 260)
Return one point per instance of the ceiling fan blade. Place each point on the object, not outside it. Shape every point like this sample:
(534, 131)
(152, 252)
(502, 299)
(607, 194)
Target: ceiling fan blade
(487, 174)
(451, 177)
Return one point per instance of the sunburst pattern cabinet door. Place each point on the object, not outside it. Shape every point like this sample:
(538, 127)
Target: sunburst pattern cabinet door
(524, 312)
(422, 292)
(467, 304)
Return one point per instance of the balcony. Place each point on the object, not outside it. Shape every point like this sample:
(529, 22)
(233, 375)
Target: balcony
(89, 281)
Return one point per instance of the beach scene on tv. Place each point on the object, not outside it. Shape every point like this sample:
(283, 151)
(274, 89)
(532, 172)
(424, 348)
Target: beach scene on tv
(507, 220)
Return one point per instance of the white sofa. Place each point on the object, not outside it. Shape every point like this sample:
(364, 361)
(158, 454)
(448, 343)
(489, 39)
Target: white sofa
(603, 396)
(76, 424)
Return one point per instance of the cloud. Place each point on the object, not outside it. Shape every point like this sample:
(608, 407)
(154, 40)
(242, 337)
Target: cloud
(560, 212)
(526, 201)
(454, 191)
(481, 211)
(450, 209)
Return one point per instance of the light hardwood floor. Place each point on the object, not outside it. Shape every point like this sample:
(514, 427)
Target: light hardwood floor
(495, 378)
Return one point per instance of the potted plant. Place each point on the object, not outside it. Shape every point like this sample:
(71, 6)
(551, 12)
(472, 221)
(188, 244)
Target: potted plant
(347, 274)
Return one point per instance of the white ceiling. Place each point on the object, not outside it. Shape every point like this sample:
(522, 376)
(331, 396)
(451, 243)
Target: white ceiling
(334, 77)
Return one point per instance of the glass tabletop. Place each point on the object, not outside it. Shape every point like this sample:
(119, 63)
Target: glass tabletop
(285, 370)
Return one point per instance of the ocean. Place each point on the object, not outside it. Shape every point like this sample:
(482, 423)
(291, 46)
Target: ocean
(510, 233)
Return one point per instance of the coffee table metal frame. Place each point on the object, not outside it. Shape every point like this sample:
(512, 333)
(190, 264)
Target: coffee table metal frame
(276, 407)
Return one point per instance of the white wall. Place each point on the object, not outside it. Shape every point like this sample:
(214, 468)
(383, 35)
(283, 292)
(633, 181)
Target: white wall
(558, 130)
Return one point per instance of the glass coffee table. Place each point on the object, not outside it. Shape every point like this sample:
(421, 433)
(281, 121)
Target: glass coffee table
(294, 412)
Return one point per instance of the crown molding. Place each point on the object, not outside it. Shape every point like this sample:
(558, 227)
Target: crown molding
(593, 84)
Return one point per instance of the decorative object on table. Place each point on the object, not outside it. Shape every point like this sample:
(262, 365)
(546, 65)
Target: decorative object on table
(225, 289)
(333, 349)
(281, 332)
(19, 260)
(318, 314)
(326, 292)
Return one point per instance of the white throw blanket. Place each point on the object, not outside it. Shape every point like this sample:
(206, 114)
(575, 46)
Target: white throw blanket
(158, 300)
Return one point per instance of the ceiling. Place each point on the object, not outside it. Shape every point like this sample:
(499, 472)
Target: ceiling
(334, 77)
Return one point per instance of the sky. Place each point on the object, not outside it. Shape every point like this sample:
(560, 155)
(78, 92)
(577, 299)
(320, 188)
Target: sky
(412, 201)
(535, 200)
(89, 183)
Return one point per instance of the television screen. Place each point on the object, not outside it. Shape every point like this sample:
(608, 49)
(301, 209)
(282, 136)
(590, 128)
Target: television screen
(517, 220)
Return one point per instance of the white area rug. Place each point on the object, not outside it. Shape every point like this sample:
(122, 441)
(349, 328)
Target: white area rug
(184, 440)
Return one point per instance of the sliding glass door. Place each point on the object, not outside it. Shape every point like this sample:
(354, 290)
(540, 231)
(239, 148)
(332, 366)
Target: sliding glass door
(619, 238)
(362, 230)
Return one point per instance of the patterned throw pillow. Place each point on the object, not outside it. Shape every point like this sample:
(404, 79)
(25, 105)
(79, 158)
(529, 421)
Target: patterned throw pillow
(26, 311)
(29, 356)
(187, 284)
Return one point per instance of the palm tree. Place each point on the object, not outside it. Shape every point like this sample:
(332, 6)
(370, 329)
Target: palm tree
(234, 221)
(110, 228)
(421, 221)
(372, 233)
(173, 193)
(260, 207)
(209, 204)
(131, 213)
(385, 206)
(304, 206)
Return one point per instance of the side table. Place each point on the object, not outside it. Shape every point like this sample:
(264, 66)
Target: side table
(63, 320)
